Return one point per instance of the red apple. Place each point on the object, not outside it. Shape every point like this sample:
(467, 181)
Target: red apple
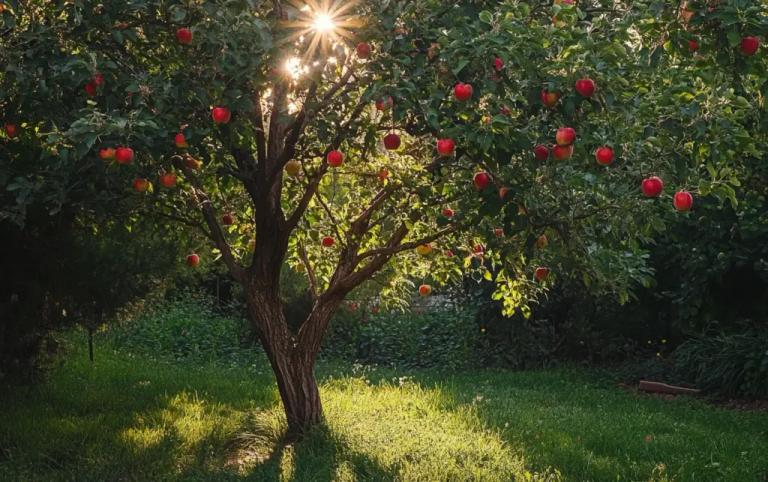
(425, 290)
(168, 180)
(478, 249)
(363, 50)
(445, 147)
(383, 174)
(140, 184)
(184, 36)
(124, 155)
(549, 99)
(565, 136)
(448, 253)
(652, 186)
(683, 201)
(335, 158)
(585, 87)
(448, 212)
(499, 232)
(693, 45)
(562, 153)
(462, 91)
(749, 45)
(392, 141)
(90, 88)
(227, 219)
(505, 110)
(180, 141)
(384, 103)
(503, 192)
(193, 260)
(221, 115)
(98, 79)
(107, 153)
(541, 152)
(481, 180)
(328, 241)
(604, 156)
(11, 130)
(541, 273)
(498, 64)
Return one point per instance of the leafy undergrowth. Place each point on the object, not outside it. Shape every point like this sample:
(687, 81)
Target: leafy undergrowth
(128, 417)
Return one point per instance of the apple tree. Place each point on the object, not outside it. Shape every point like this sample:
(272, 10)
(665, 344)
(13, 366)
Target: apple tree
(512, 141)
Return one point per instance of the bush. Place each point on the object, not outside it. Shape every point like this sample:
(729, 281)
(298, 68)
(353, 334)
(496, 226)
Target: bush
(727, 364)
(187, 328)
(437, 339)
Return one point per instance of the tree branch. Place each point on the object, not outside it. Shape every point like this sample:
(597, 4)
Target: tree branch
(215, 231)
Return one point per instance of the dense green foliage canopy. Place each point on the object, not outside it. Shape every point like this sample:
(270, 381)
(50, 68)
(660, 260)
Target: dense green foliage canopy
(78, 77)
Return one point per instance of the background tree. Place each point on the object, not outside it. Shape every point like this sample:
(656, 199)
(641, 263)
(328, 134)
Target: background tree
(307, 135)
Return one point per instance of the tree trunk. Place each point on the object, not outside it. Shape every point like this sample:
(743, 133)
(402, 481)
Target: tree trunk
(292, 359)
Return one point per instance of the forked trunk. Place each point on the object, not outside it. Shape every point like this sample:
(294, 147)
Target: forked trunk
(292, 360)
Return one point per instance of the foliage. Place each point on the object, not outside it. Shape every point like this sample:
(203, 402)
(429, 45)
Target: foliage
(58, 272)
(187, 328)
(437, 338)
(133, 415)
(727, 364)
(659, 105)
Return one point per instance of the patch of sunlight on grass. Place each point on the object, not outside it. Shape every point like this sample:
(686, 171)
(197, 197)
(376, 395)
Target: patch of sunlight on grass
(409, 431)
(287, 465)
(385, 431)
(142, 438)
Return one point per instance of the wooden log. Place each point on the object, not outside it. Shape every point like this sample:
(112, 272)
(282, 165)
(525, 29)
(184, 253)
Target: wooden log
(658, 387)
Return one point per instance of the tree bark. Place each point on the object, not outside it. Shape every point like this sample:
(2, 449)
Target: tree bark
(292, 357)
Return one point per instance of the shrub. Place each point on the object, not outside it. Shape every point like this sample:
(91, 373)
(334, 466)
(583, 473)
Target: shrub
(187, 328)
(727, 364)
(437, 339)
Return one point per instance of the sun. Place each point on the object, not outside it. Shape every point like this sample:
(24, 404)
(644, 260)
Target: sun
(322, 25)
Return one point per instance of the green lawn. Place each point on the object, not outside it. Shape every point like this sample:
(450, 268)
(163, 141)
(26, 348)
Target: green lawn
(127, 417)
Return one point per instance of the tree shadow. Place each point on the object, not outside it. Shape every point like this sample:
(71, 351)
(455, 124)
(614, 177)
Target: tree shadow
(321, 455)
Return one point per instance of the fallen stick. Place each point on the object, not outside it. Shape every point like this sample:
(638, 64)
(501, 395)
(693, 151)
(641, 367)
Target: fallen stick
(658, 387)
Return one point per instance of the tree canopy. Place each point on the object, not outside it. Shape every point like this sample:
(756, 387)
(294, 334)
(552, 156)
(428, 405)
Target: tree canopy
(317, 132)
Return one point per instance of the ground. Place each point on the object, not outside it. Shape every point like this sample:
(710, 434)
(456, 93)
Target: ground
(128, 417)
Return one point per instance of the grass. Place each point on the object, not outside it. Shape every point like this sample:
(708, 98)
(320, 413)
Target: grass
(128, 417)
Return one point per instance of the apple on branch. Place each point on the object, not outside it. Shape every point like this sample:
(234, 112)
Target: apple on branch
(392, 142)
(462, 91)
(193, 260)
(481, 180)
(124, 155)
(604, 156)
(184, 36)
(683, 201)
(652, 186)
(335, 158)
